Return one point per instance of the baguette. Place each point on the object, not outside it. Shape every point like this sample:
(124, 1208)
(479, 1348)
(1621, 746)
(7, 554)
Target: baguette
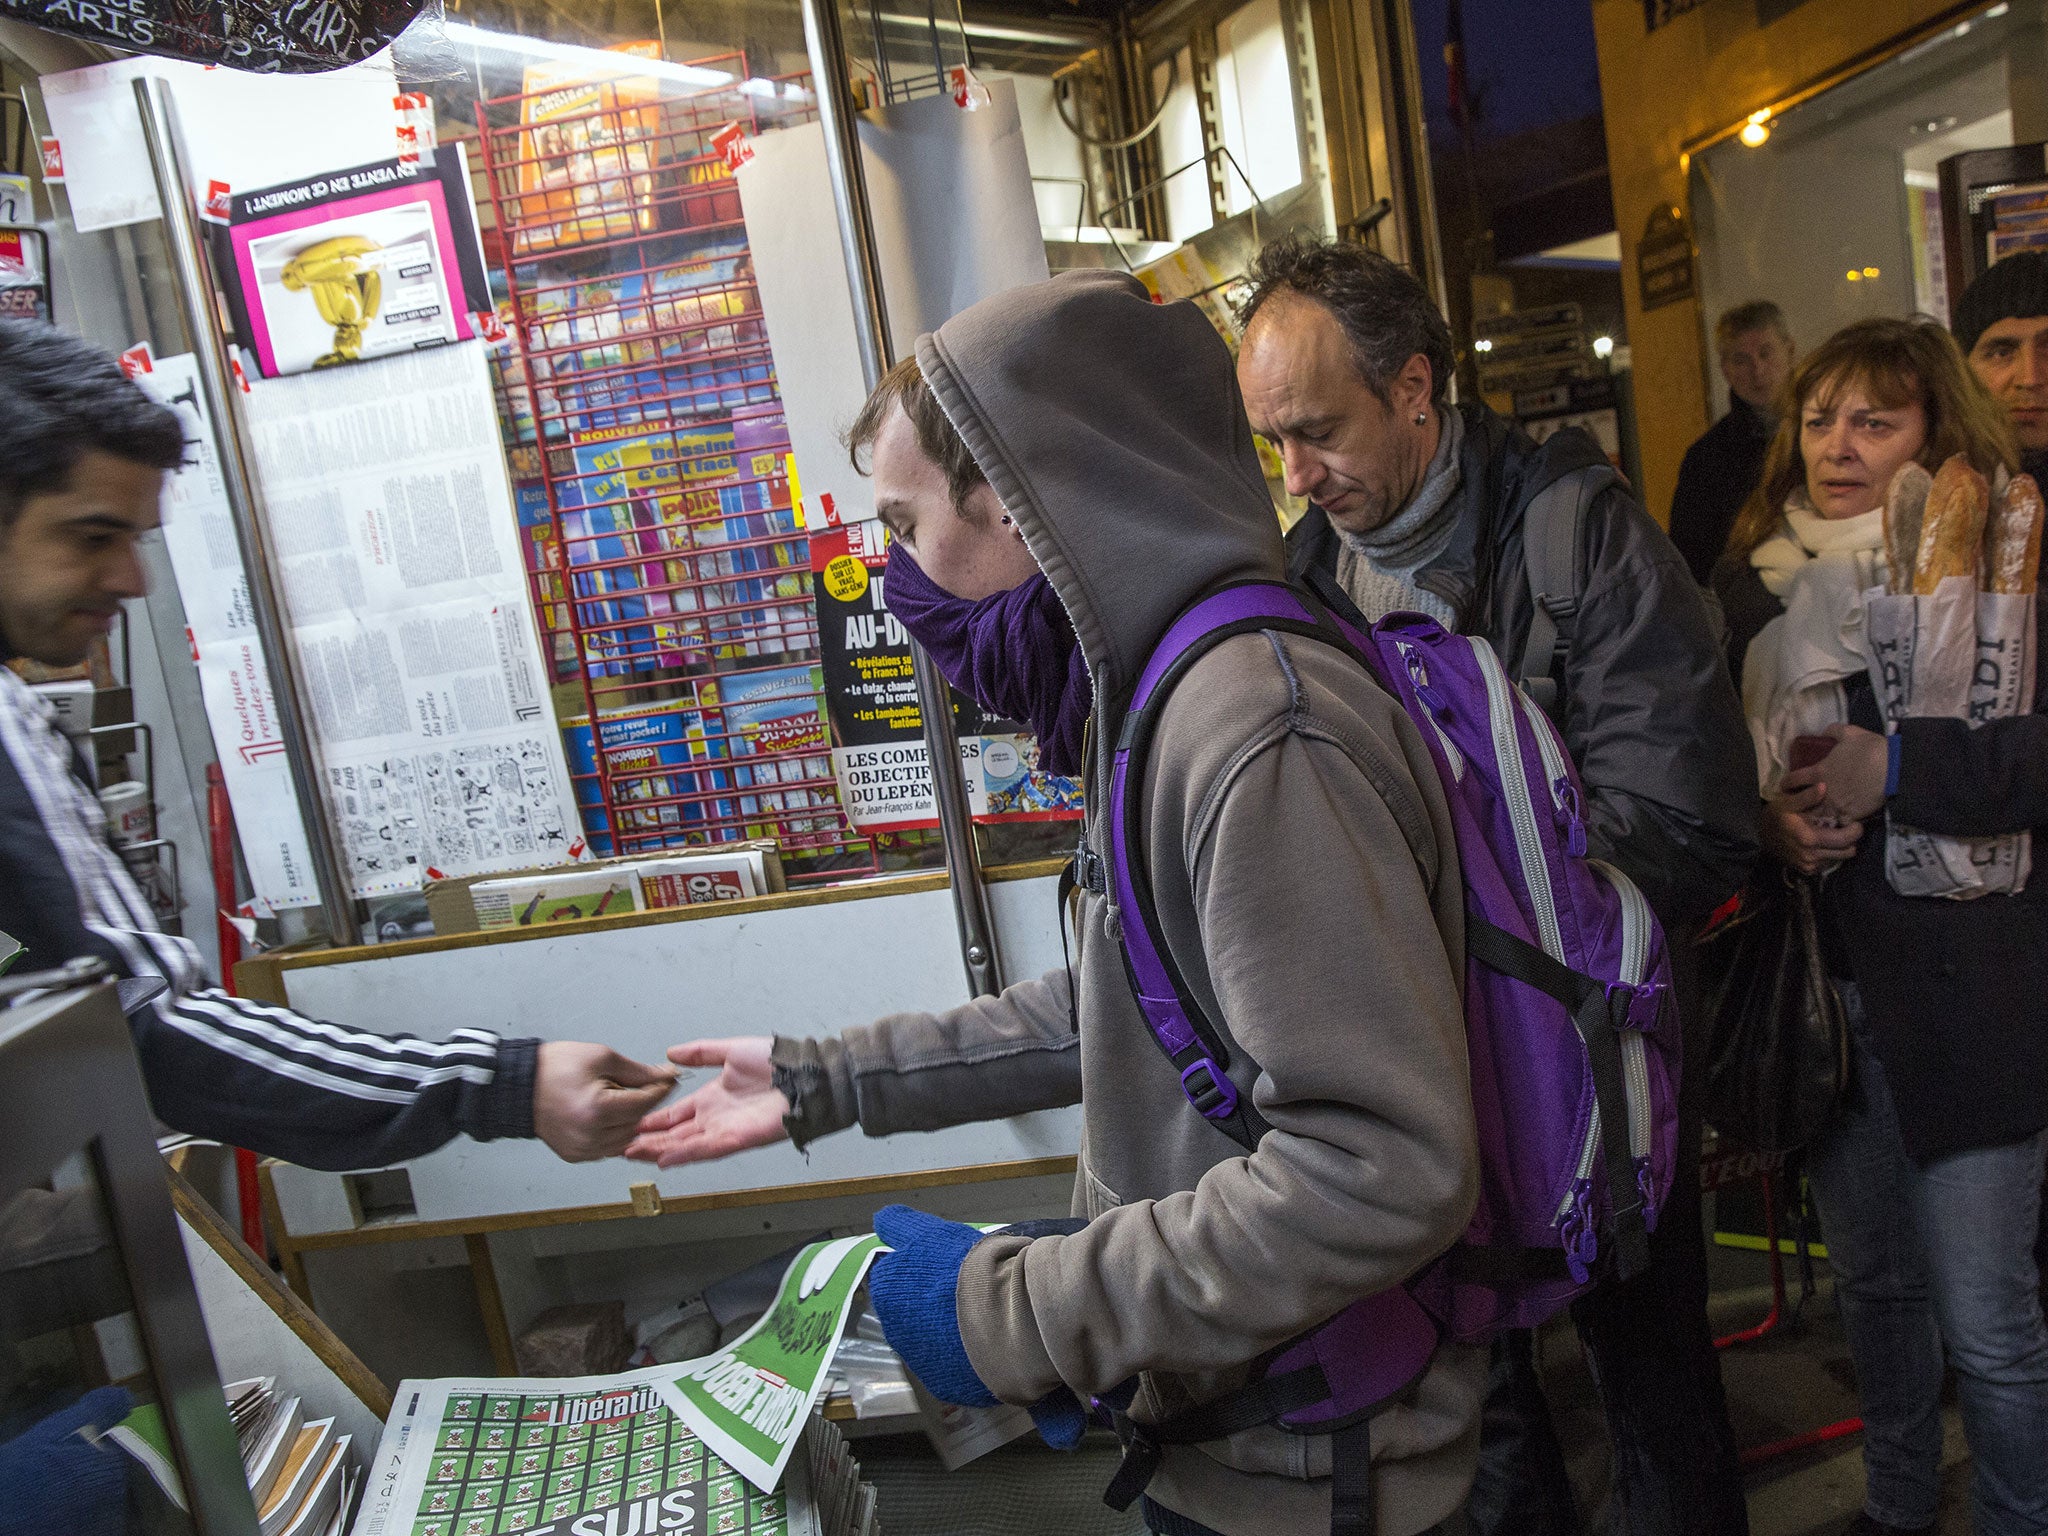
(1952, 533)
(1905, 504)
(2012, 540)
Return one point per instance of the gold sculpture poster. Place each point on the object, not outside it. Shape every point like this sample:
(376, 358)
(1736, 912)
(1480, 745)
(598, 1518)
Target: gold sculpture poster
(365, 262)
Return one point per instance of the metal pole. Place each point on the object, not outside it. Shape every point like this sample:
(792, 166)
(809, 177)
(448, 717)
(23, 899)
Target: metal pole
(195, 290)
(827, 44)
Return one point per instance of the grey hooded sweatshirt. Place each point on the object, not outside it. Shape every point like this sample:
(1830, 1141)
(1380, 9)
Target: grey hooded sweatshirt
(1308, 886)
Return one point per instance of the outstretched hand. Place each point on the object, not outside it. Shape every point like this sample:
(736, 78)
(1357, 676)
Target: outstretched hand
(738, 1109)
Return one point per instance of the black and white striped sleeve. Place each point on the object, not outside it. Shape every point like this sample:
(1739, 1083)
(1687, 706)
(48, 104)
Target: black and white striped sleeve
(219, 1066)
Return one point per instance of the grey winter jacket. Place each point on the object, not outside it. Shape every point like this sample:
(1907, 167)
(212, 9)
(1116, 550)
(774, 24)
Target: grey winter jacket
(1649, 712)
(1308, 885)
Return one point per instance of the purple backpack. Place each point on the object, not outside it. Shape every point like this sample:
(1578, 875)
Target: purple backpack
(1568, 1019)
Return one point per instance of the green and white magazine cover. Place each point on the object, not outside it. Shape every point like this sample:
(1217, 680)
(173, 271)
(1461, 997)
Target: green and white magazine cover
(567, 1456)
(749, 1400)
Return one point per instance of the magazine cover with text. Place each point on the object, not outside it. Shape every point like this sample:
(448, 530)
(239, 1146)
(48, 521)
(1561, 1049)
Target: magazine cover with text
(359, 263)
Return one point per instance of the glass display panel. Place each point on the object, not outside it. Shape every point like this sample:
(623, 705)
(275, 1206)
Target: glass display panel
(70, 1350)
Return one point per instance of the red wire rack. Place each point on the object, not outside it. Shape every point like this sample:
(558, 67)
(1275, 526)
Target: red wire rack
(670, 572)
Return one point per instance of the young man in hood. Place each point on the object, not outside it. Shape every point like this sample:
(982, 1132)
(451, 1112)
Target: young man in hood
(1419, 504)
(1055, 509)
(81, 484)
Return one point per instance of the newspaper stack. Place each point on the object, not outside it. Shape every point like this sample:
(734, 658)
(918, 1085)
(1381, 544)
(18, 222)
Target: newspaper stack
(300, 1474)
(841, 1503)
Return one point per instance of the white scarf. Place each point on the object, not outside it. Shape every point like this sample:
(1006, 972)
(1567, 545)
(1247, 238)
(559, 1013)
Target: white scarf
(1793, 674)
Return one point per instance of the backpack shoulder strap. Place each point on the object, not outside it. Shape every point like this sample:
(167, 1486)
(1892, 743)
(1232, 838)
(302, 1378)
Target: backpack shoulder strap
(1179, 1025)
(1550, 555)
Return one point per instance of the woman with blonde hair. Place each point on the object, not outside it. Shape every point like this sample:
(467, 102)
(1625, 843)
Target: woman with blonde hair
(1928, 1175)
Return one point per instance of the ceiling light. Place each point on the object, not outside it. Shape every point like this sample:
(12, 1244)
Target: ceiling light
(1853, 275)
(602, 62)
(1871, 273)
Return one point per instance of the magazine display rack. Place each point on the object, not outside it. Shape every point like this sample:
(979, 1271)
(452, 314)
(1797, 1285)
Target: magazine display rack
(670, 569)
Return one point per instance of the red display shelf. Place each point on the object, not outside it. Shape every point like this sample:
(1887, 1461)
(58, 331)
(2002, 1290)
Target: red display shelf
(670, 571)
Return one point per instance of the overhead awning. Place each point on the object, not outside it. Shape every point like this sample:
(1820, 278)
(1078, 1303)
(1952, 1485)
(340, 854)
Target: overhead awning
(288, 36)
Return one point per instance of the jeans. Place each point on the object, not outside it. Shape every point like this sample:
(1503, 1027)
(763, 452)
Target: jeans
(1926, 1255)
(1653, 1360)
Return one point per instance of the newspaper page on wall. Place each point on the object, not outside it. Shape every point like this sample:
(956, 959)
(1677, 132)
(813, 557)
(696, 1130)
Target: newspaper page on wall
(396, 546)
(234, 677)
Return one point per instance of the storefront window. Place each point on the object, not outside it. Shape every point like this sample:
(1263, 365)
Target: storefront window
(1837, 214)
(1255, 98)
(1188, 210)
(691, 654)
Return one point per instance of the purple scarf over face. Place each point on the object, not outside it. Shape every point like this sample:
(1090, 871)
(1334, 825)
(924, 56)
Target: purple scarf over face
(1013, 653)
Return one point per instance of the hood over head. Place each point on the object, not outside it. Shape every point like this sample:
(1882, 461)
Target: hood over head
(1112, 430)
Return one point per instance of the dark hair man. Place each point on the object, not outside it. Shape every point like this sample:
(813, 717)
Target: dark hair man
(1722, 467)
(2001, 324)
(81, 477)
(1449, 510)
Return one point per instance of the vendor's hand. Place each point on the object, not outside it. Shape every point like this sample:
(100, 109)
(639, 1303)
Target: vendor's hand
(588, 1100)
(1793, 837)
(1852, 775)
(738, 1109)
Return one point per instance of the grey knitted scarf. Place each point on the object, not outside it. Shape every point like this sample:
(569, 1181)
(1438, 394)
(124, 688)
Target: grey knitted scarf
(1378, 569)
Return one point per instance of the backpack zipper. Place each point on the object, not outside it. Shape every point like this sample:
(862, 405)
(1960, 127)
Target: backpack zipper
(1635, 1054)
(1574, 1219)
(1564, 795)
(1431, 701)
(1507, 749)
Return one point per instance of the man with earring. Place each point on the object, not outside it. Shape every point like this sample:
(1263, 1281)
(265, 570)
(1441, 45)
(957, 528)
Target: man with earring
(1419, 504)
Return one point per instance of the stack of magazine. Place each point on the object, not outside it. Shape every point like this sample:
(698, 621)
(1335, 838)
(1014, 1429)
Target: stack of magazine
(301, 1477)
(842, 1505)
(300, 1473)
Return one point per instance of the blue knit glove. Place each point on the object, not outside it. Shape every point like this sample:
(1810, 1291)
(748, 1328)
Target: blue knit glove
(914, 1290)
(55, 1482)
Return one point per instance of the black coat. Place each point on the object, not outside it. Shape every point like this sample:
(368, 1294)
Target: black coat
(1649, 714)
(1954, 990)
(1719, 471)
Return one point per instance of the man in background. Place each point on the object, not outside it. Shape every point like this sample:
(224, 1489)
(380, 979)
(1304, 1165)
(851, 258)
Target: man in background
(1451, 510)
(2001, 323)
(81, 478)
(1723, 466)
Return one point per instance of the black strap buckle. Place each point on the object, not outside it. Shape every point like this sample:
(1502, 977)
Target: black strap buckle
(1142, 1456)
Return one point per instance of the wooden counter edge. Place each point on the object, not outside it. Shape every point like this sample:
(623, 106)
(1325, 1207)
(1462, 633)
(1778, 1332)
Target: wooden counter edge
(407, 1231)
(290, 1309)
